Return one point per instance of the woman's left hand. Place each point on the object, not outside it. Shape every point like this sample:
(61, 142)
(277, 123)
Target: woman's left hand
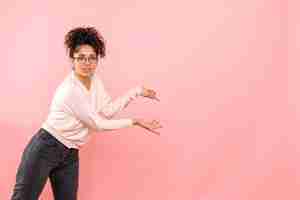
(149, 93)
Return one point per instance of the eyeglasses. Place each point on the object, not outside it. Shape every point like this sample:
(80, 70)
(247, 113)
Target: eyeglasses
(82, 59)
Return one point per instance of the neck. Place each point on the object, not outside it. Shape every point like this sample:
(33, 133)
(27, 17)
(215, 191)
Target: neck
(86, 80)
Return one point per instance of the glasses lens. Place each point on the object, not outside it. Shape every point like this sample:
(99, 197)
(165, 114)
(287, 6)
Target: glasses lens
(93, 60)
(82, 59)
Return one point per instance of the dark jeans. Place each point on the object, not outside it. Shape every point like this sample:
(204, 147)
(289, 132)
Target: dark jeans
(43, 157)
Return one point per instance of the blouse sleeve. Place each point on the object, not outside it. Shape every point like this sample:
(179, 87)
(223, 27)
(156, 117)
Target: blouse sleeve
(82, 109)
(108, 107)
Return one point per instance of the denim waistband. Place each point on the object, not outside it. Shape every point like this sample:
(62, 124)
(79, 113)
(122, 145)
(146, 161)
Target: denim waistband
(43, 133)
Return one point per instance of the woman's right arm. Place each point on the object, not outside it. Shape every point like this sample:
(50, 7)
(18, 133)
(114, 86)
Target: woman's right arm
(83, 111)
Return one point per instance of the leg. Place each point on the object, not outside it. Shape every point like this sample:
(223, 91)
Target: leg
(32, 172)
(64, 179)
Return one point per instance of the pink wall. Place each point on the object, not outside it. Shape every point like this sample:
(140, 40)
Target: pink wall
(219, 68)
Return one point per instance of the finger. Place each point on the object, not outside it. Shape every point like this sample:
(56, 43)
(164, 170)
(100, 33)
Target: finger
(156, 122)
(156, 126)
(154, 97)
(152, 130)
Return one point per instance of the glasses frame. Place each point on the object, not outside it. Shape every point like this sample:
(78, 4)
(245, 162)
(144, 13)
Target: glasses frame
(86, 59)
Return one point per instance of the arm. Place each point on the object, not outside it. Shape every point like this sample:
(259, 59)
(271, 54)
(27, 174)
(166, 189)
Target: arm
(109, 108)
(83, 110)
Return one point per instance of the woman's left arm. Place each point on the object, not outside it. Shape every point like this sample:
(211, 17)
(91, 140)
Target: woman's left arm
(109, 108)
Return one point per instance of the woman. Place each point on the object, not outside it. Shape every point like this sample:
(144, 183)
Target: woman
(80, 105)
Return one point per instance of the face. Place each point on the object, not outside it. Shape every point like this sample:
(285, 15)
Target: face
(85, 61)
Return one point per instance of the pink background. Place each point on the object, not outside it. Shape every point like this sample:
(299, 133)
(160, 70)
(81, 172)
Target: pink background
(220, 70)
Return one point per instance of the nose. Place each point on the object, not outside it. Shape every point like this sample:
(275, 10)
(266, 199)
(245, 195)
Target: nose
(87, 62)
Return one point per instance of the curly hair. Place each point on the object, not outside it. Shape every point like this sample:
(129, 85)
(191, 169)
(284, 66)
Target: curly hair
(84, 35)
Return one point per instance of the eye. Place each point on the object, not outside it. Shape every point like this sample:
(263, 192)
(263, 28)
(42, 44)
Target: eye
(93, 59)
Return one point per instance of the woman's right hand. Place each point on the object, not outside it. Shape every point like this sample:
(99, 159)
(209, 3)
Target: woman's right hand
(148, 125)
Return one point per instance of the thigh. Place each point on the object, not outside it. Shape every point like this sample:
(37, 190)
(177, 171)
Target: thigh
(32, 172)
(64, 179)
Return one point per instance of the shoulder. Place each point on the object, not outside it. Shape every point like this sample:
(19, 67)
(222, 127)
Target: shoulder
(66, 91)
